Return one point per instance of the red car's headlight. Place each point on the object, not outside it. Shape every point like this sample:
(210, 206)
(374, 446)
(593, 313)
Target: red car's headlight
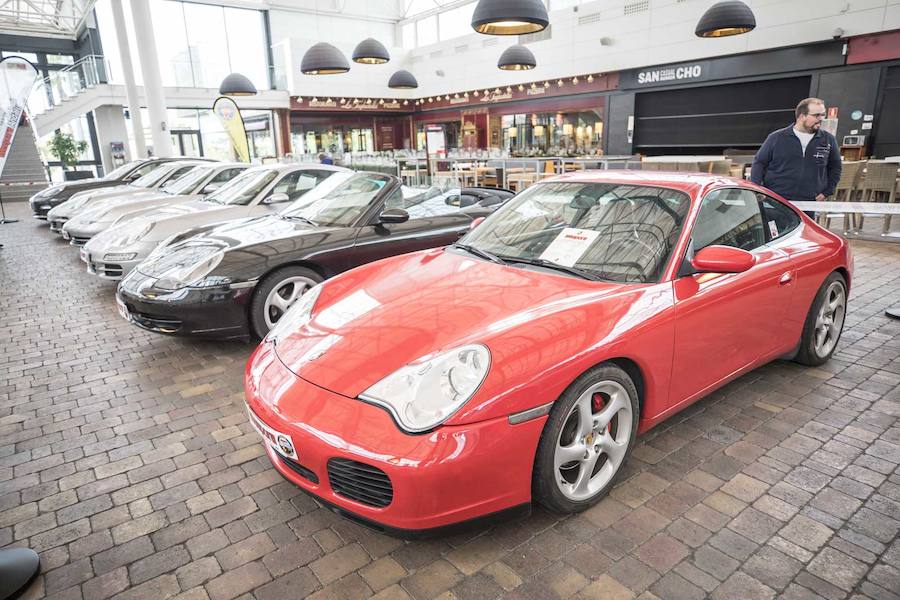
(427, 392)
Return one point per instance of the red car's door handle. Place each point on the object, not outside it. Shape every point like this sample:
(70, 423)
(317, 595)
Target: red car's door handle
(786, 278)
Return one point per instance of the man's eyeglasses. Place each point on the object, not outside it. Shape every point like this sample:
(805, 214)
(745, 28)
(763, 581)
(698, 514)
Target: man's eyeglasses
(816, 115)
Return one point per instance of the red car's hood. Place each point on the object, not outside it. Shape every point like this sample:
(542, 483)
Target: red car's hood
(375, 319)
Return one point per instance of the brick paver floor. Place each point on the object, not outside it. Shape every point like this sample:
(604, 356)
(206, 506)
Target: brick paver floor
(126, 460)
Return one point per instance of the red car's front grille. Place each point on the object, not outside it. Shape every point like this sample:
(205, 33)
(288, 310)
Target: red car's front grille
(361, 482)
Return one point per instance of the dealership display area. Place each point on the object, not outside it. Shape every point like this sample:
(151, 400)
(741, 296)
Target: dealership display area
(130, 465)
(523, 299)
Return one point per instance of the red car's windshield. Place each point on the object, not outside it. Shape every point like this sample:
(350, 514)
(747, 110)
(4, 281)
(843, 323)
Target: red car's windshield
(615, 232)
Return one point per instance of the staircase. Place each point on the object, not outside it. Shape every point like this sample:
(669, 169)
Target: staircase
(23, 174)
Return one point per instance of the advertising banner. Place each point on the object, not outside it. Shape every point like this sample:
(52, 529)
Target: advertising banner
(230, 116)
(17, 77)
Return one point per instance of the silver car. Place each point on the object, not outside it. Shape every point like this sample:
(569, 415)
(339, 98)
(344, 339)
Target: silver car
(257, 191)
(101, 215)
(162, 175)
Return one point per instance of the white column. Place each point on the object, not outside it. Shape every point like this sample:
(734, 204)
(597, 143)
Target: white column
(153, 90)
(134, 105)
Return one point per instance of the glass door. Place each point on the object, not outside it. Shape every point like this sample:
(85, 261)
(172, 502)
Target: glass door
(187, 142)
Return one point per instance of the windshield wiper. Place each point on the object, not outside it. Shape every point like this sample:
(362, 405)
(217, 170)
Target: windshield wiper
(300, 218)
(480, 253)
(549, 264)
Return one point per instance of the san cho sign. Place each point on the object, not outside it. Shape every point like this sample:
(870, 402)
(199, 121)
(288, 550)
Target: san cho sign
(668, 74)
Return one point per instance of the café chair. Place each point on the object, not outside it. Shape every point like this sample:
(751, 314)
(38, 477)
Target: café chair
(844, 191)
(880, 183)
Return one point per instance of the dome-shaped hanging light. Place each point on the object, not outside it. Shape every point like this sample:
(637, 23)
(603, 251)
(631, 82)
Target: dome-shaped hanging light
(509, 17)
(516, 58)
(237, 85)
(403, 80)
(722, 19)
(324, 59)
(370, 52)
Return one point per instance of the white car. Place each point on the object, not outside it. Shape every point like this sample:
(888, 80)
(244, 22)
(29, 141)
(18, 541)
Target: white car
(257, 191)
(98, 216)
(162, 175)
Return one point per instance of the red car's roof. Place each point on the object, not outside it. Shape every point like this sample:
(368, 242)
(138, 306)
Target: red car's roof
(689, 183)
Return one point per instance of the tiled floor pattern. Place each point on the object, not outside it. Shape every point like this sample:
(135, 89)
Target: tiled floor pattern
(126, 460)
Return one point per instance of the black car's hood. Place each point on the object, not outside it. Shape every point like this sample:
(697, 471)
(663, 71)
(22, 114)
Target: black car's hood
(241, 233)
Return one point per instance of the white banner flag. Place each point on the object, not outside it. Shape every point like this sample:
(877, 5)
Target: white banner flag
(17, 77)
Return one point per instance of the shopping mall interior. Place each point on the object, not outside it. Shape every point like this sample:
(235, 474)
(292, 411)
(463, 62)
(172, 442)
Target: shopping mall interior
(449, 299)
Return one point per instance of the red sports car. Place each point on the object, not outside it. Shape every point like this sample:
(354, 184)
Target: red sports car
(519, 364)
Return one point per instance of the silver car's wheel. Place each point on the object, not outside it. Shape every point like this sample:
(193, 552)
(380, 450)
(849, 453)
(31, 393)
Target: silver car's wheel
(593, 441)
(276, 293)
(586, 439)
(283, 295)
(830, 319)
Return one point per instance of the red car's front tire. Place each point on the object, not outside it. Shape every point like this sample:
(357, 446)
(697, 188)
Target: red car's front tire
(586, 440)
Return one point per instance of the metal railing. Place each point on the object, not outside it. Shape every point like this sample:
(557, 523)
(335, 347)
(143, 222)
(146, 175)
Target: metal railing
(68, 82)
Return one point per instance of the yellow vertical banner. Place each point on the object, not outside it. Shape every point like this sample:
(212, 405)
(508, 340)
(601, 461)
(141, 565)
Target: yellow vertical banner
(230, 116)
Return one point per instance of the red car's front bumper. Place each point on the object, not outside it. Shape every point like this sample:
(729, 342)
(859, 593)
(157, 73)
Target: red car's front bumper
(438, 479)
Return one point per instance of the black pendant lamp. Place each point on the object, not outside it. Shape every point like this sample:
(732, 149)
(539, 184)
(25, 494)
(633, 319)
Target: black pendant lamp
(403, 80)
(324, 59)
(723, 19)
(510, 17)
(370, 52)
(237, 85)
(516, 58)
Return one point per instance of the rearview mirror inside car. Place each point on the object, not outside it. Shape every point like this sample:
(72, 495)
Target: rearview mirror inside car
(722, 259)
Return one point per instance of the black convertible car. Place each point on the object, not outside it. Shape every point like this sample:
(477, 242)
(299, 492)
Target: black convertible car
(235, 280)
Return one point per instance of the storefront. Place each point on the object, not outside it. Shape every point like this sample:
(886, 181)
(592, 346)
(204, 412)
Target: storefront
(561, 118)
(340, 125)
(724, 104)
(878, 57)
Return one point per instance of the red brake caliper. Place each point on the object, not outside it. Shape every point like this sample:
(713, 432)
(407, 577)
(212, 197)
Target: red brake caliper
(598, 401)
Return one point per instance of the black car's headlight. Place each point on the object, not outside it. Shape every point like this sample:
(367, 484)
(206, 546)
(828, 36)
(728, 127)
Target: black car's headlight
(185, 266)
(50, 192)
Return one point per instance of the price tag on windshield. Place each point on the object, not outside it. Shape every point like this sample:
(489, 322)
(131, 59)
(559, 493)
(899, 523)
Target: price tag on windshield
(569, 246)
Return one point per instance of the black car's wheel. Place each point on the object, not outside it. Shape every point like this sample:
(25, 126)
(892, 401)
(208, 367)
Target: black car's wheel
(824, 322)
(276, 293)
(586, 440)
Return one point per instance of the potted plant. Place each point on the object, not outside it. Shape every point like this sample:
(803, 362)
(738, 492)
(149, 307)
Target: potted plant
(64, 147)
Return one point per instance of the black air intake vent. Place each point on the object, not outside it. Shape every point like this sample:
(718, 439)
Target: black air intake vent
(361, 482)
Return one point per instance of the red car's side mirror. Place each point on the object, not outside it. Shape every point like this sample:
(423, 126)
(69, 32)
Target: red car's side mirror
(475, 223)
(723, 259)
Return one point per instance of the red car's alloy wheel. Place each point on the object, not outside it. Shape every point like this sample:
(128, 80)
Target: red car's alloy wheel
(593, 441)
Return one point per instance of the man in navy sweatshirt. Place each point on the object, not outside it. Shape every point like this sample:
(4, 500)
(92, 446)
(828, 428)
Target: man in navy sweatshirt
(800, 162)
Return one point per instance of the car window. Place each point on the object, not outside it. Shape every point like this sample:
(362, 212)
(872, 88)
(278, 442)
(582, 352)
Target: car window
(614, 231)
(729, 217)
(339, 201)
(176, 175)
(142, 170)
(226, 175)
(780, 220)
(298, 183)
(426, 203)
(243, 188)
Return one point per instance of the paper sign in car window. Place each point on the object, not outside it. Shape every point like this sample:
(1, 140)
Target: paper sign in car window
(773, 229)
(569, 246)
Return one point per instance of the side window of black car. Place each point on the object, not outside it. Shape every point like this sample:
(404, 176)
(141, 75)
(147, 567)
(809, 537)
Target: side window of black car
(729, 217)
(780, 220)
(141, 171)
